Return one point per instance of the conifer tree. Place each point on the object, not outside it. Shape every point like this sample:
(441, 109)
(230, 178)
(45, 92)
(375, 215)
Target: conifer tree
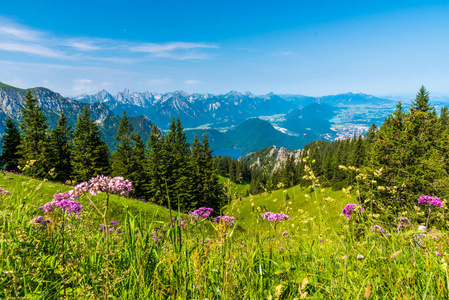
(33, 148)
(60, 148)
(177, 150)
(9, 159)
(138, 175)
(210, 188)
(122, 158)
(156, 168)
(195, 166)
(91, 156)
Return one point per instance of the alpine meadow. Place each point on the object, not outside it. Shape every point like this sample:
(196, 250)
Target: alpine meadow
(193, 190)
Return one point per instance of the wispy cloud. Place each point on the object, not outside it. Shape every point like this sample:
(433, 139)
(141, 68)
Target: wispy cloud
(158, 81)
(166, 47)
(192, 81)
(14, 31)
(283, 53)
(82, 86)
(22, 40)
(32, 49)
(82, 45)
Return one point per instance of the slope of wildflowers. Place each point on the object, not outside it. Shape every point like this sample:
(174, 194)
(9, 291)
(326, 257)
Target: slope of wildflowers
(307, 245)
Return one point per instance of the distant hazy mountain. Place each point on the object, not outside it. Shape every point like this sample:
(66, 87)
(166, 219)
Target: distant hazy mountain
(353, 99)
(251, 135)
(12, 102)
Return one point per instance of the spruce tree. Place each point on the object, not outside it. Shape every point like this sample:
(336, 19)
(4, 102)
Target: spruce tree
(91, 156)
(156, 168)
(33, 149)
(9, 159)
(60, 148)
(138, 174)
(210, 189)
(122, 158)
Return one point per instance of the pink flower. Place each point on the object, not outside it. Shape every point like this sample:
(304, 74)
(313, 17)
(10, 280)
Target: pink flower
(430, 200)
(116, 185)
(272, 217)
(350, 208)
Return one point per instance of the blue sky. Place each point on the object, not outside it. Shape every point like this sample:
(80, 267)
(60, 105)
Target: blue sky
(299, 47)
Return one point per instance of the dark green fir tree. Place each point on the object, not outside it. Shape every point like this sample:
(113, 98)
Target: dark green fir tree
(91, 156)
(60, 148)
(33, 148)
(9, 159)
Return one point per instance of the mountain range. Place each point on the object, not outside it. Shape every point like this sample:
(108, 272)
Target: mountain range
(236, 123)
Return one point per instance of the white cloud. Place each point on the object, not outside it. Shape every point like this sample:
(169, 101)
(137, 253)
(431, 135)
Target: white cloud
(14, 31)
(32, 49)
(158, 81)
(82, 45)
(172, 46)
(192, 81)
(82, 86)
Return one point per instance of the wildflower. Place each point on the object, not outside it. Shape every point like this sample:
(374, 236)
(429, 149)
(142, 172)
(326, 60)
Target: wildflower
(282, 248)
(272, 217)
(66, 201)
(374, 227)
(40, 220)
(435, 201)
(200, 213)
(404, 221)
(284, 233)
(113, 223)
(116, 185)
(438, 254)
(226, 220)
(350, 208)
(176, 221)
(4, 192)
(388, 234)
(321, 240)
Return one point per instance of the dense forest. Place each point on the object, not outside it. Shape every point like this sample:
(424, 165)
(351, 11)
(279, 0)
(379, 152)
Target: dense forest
(168, 168)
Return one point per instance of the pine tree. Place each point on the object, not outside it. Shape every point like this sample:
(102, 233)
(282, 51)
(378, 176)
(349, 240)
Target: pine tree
(156, 168)
(195, 166)
(60, 148)
(122, 158)
(91, 156)
(9, 159)
(444, 118)
(138, 175)
(33, 148)
(210, 189)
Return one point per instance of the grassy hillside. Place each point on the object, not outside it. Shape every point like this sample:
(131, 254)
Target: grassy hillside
(35, 193)
(302, 206)
(72, 259)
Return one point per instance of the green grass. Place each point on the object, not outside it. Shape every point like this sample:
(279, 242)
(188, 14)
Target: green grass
(302, 206)
(36, 193)
(199, 261)
(234, 190)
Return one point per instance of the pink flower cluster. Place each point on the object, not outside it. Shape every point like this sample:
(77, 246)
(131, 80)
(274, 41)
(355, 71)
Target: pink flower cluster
(177, 221)
(350, 208)
(3, 191)
(42, 222)
(431, 200)
(65, 201)
(404, 221)
(272, 217)
(116, 185)
(200, 213)
(226, 220)
(374, 227)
